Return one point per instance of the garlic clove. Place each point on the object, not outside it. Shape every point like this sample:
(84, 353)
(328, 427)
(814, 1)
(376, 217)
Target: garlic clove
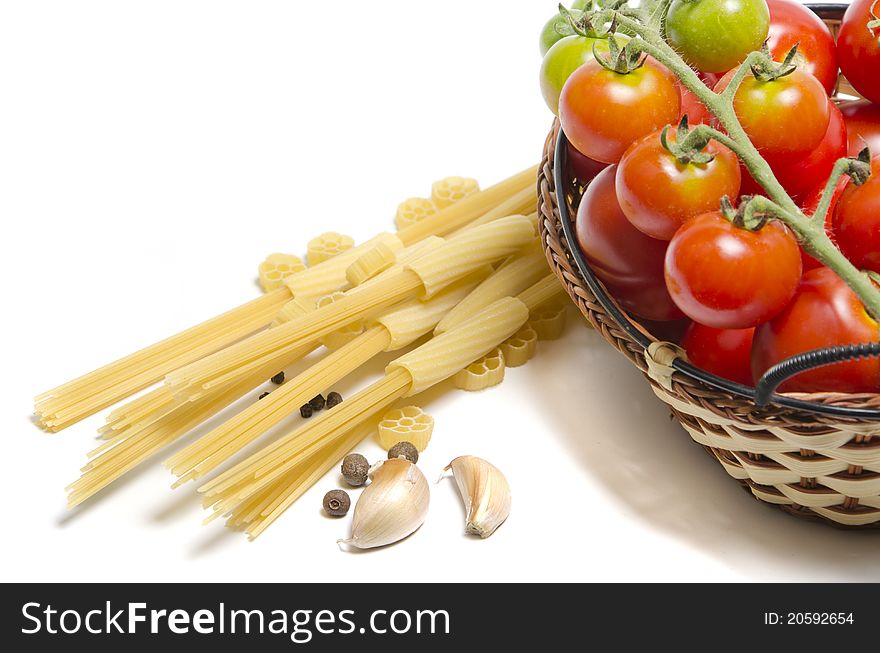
(392, 507)
(485, 492)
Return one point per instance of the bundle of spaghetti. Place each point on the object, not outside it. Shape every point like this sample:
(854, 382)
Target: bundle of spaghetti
(424, 277)
(160, 401)
(256, 514)
(392, 332)
(129, 448)
(258, 478)
(71, 402)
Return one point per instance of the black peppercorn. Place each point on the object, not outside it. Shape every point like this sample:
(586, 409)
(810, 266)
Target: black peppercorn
(336, 503)
(355, 469)
(305, 410)
(265, 394)
(317, 403)
(406, 449)
(278, 379)
(334, 399)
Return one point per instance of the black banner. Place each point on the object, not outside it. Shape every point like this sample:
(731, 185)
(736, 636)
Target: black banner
(335, 617)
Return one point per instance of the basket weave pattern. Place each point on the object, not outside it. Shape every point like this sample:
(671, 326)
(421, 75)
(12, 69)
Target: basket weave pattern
(810, 465)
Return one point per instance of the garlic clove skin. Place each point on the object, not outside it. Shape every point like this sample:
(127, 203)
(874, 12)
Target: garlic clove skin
(485, 492)
(392, 507)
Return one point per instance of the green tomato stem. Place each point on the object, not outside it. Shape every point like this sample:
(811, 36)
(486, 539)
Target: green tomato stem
(781, 206)
(741, 73)
(841, 167)
(817, 243)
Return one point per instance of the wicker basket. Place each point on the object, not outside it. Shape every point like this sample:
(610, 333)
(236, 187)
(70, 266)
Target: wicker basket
(815, 456)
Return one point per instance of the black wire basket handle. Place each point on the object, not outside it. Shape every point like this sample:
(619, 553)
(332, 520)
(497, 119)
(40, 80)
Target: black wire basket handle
(809, 360)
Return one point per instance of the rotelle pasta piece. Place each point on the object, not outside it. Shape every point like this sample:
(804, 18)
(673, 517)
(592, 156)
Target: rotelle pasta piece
(549, 322)
(328, 245)
(450, 190)
(407, 424)
(276, 268)
(413, 210)
(520, 347)
(343, 335)
(484, 373)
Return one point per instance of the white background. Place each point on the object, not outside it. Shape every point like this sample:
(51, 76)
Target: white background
(153, 153)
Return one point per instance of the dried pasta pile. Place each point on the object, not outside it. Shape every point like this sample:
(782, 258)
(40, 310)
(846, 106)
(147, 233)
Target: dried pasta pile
(464, 275)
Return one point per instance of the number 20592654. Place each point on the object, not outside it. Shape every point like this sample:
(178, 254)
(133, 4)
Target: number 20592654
(808, 618)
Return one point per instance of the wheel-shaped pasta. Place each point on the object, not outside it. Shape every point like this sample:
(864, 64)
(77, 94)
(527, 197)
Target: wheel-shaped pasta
(549, 322)
(346, 334)
(413, 210)
(450, 190)
(328, 245)
(520, 347)
(481, 374)
(276, 268)
(407, 424)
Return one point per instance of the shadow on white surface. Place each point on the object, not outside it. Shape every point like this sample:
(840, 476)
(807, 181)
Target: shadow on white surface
(218, 539)
(650, 465)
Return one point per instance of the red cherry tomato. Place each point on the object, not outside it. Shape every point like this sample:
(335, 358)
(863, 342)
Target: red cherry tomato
(669, 331)
(791, 23)
(858, 48)
(658, 193)
(862, 120)
(603, 112)
(628, 262)
(800, 173)
(784, 116)
(723, 352)
(809, 206)
(581, 167)
(727, 277)
(857, 221)
(696, 111)
(823, 313)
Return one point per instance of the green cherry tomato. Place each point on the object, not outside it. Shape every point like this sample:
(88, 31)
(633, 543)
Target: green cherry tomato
(566, 56)
(716, 35)
(554, 31)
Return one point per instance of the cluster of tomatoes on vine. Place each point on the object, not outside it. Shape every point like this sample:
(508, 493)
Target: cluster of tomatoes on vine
(655, 223)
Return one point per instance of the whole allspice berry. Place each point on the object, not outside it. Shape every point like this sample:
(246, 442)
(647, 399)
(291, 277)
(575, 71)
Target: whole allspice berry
(337, 503)
(333, 399)
(355, 469)
(306, 410)
(317, 403)
(278, 379)
(406, 449)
